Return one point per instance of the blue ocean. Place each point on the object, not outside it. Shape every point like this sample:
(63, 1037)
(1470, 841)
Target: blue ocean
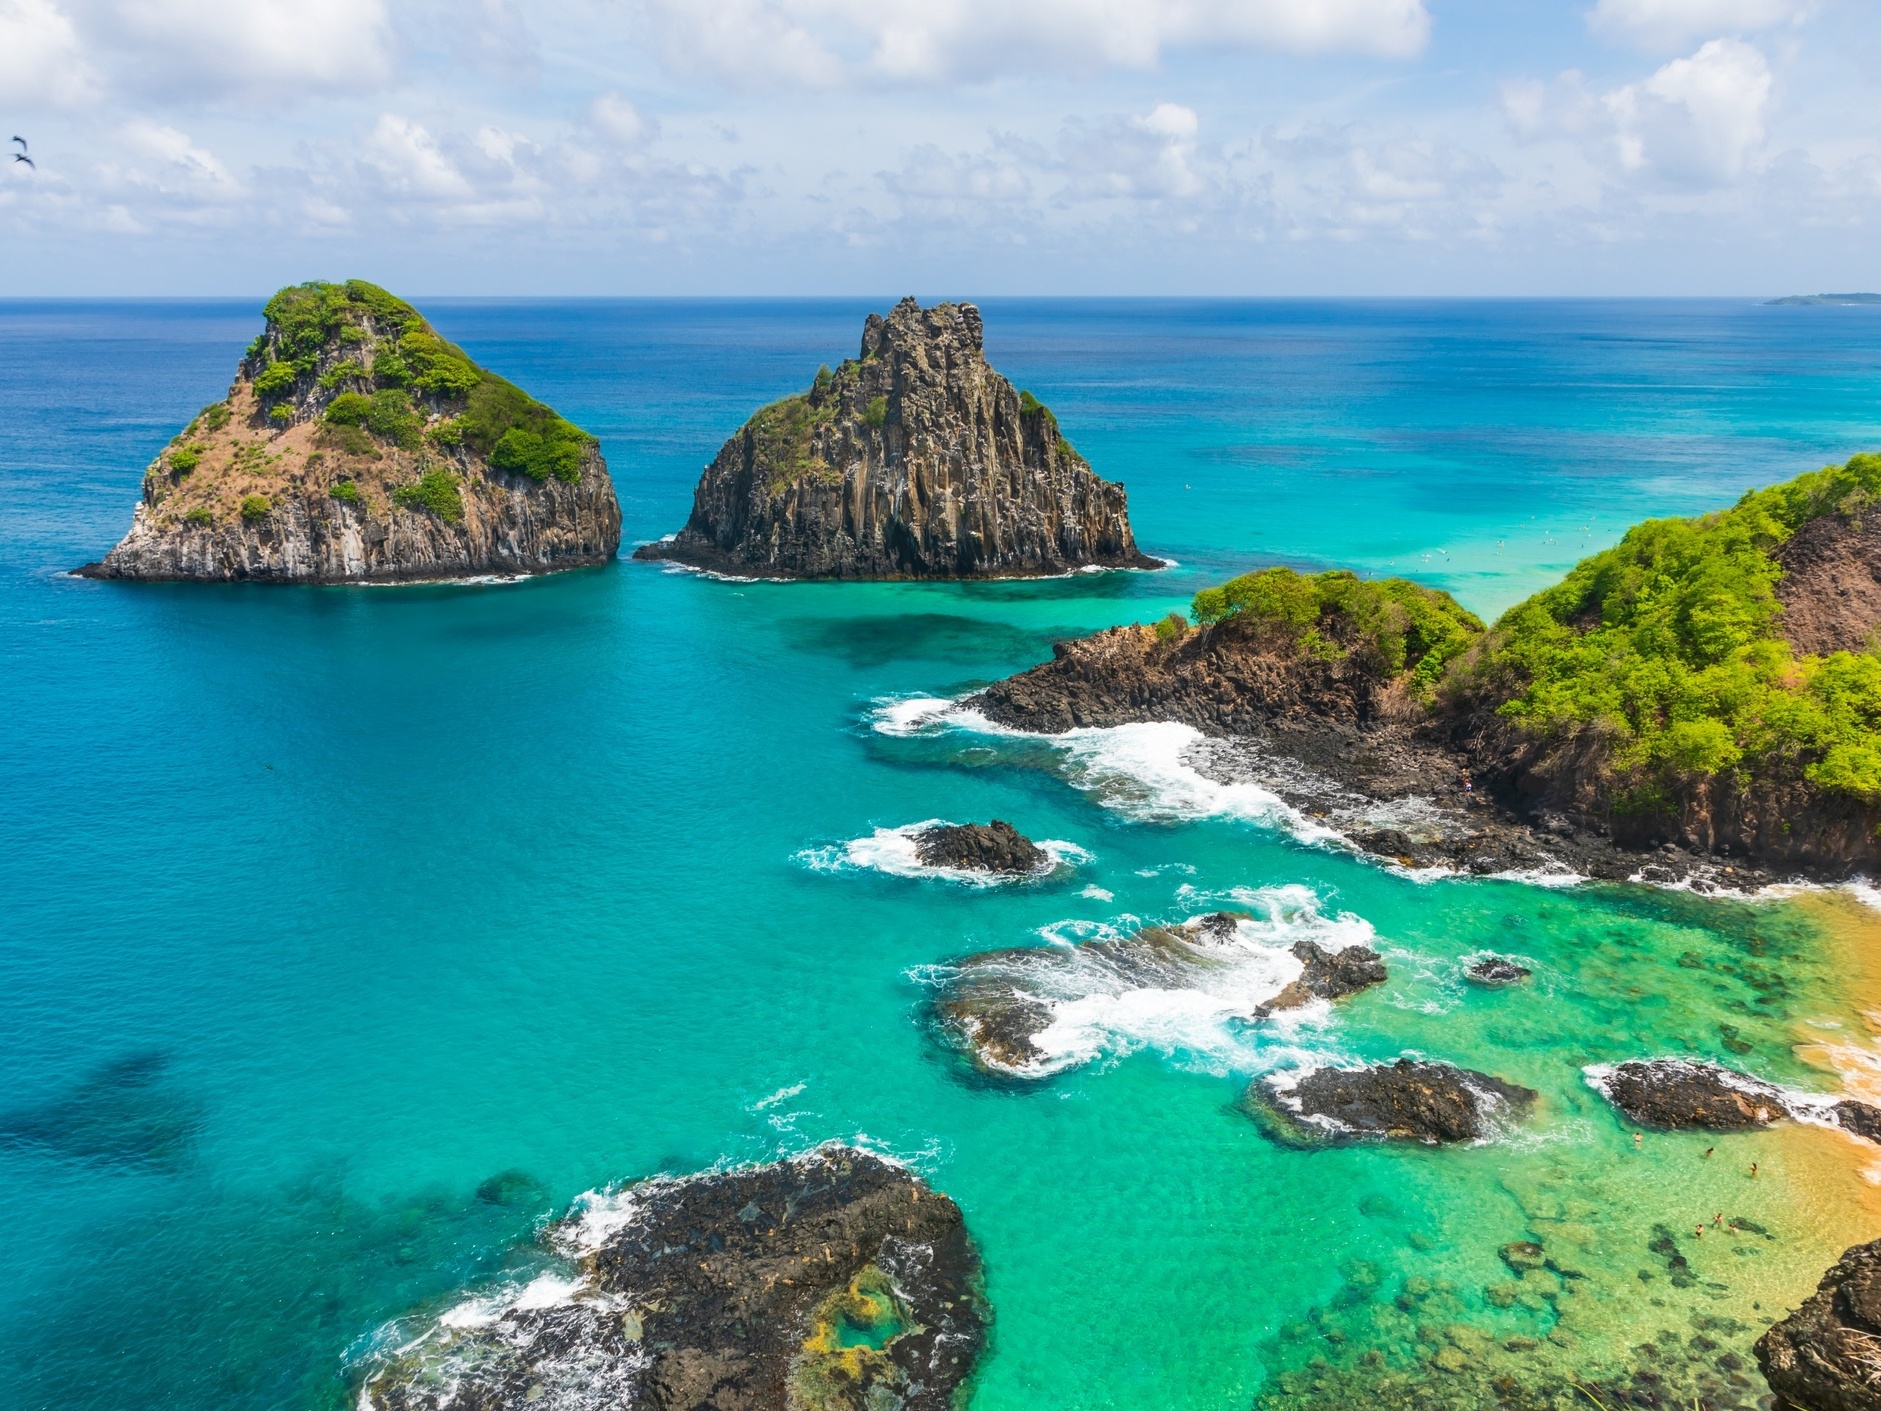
(321, 907)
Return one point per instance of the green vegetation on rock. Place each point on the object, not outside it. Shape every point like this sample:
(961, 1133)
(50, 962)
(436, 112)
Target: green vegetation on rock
(345, 491)
(184, 459)
(1667, 647)
(410, 364)
(784, 433)
(199, 516)
(1402, 625)
(256, 507)
(436, 490)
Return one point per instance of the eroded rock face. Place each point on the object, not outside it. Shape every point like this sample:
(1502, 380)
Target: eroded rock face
(1861, 1118)
(1831, 584)
(1403, 1101)
(356, 445)
(1674, 1093)
(833, 1282)
(1826, 1356)
(914, 460)
(977, 847)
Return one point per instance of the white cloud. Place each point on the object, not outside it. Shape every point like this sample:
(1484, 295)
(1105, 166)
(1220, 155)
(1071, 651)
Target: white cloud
(1669, 24)
(1140, 158)
(41, 62)
(410, 162)
(1697, 121)
(826, 43)
(170, 157)
(615, 118)
(268, 50)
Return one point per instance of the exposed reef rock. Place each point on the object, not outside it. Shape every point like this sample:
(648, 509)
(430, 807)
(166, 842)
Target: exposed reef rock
(355, 446)
(980, 847)
(1402, 1101)
(833, 1282)
(1826, 1356)
(1496, 970)
(997, 1005)
(1861, 1118)
(1327, 974)
(1674, 1093)
(913, 460)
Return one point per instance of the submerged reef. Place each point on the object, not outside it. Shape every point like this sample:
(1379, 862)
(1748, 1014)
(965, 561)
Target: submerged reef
(836, 1281)
(1826, 1356)
(356, 445)
(914, 459)
(980, 847)
(1700, 701)
(1408, 1100)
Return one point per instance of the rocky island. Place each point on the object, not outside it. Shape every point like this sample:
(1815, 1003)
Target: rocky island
(836, 1281)
(1409, 1100)
(358, 446)
(1703, 699)
(914, 459)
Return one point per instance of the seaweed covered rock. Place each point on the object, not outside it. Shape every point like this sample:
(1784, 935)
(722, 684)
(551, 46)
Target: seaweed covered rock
(1826, 1356)
(1407, 1100)
(913, 460)
(980, 847)
(833, 1282)
(356, 445)
(1676, 1093)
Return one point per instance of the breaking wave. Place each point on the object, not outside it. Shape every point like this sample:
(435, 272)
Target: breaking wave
(893, 851)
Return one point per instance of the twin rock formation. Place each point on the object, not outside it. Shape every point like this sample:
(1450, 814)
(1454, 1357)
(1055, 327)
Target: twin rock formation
(913, 460)
(356, 445)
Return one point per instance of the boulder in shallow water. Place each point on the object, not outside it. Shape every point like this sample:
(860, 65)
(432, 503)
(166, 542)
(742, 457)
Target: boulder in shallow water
(1861, 1118)
(1495, 970)
(833, 1282)
(977, 847)
(1408, 1100)
(1826, 1356)
(1675, 1093)
(1329, 974)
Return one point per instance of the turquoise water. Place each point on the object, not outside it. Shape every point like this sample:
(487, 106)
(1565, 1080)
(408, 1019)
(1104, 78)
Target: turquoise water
(321, 907)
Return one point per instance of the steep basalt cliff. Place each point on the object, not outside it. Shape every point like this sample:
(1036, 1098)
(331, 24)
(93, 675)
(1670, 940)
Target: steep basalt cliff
(914, 460)
(356, 445)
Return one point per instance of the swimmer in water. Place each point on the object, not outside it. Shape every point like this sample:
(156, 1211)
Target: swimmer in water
(1753, 1168)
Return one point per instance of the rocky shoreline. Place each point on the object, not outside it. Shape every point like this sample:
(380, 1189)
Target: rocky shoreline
(1343, 747)
(835, 1281)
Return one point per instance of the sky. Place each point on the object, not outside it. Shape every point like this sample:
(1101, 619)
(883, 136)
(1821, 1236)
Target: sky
(799, 147)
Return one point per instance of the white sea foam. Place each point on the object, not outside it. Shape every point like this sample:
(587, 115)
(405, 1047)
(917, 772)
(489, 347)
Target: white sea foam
(896, 852)
(1140, 770)
(1195, 1005)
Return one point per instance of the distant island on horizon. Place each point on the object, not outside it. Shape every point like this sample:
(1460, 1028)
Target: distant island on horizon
(1826, 299)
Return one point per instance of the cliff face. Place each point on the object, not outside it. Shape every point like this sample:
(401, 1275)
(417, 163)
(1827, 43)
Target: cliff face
(914, 460)
(356, 445)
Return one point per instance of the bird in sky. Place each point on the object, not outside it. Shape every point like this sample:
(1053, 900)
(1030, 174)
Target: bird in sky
(21, 155)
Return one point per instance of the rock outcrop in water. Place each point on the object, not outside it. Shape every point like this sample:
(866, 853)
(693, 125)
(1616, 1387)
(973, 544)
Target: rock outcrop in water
(1673, 1093)
(833, 1282)
(1494, 970)
(980, 847)
(358, 446)
(1402, 1101)
(997, 1005)
(914, 460)
(1826, 1356)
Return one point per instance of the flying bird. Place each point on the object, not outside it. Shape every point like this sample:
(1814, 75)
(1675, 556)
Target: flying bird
(21, 155)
